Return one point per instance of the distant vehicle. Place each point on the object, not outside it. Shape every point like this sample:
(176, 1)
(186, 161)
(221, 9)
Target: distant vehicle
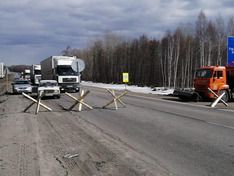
(35, 74)
(19, 86)
(50, 88)
(16, 75)
(2, 71)
(27, 74)
(61, 69)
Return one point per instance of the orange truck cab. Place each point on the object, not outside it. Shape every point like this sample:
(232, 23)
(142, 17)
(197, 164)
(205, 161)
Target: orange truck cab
(220, 79)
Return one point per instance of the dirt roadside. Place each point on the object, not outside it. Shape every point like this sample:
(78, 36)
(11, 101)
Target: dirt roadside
(60, 143)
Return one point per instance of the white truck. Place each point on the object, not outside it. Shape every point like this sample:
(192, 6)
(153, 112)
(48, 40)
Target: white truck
(59, 68)
(27, 74)
(2, 71)
(35, 74)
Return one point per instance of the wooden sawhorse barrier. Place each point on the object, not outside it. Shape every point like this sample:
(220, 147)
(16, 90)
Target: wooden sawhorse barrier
(79, 101)
(38, 102)
(219, 98)
(115, 99)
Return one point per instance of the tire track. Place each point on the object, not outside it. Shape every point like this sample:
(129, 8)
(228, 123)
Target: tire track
(17, 146)
(93, 157)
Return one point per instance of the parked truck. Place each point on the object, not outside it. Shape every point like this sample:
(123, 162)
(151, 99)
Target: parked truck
(2, 71)
(219, 79)
(59, 68)
(35, 74)
(26, 74)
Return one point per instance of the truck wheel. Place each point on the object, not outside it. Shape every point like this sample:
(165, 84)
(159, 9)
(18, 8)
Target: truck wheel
(197, 97)
(226, 96)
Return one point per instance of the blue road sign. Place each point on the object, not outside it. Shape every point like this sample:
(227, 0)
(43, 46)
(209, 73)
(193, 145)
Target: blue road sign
(230, 50)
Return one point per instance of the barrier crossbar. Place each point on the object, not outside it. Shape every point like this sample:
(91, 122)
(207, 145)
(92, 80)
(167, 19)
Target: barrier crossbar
(219, 98)
(38, 102)
(79, 101)
(115, 99)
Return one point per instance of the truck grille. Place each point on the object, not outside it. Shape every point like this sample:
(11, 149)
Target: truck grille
(69, 79)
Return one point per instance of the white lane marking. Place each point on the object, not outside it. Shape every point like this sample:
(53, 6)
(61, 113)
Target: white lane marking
(174, 102)
(220, 125)
(227, 110)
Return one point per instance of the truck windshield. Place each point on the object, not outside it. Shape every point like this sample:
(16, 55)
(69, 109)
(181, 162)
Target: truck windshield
(37, 72)
(203, 73)
(65, 70)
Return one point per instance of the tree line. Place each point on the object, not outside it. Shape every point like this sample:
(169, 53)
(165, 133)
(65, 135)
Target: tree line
(169, 62)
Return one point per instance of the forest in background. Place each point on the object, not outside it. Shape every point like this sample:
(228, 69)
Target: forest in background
(167, 62)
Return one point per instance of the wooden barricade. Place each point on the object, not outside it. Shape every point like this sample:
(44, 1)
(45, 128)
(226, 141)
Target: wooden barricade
(219, 98)
(79, 101)
(115, 99)
(38, 102)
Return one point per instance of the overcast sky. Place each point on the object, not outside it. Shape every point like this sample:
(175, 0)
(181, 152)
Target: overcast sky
(32, 30)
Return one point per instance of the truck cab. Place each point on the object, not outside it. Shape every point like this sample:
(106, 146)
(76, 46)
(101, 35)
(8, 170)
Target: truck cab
(68, 79)
(35, 74)
(213, 77)
(27, 74)
(2, 71)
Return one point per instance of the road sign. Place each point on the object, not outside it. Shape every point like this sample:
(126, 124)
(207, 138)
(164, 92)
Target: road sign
(230, 50)
(78, 65)
(125, 78)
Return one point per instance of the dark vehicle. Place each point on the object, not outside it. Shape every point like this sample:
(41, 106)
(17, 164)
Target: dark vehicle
(19, 86)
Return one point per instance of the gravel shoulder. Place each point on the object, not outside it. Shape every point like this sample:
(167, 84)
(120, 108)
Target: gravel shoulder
(60, 143)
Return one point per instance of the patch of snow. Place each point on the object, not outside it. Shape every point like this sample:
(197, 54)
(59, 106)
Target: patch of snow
(146, 90)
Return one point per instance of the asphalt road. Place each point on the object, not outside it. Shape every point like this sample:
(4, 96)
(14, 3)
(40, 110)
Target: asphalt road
(152, 135)
(185, 139)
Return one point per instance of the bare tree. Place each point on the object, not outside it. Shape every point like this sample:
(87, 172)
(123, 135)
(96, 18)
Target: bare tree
(220, 33)
(163, 60)
(177, 39)
(201, 27)
(211, 38)
(169, 58)
(230, 27)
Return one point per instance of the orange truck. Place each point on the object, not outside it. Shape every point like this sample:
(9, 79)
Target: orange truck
(219, 79)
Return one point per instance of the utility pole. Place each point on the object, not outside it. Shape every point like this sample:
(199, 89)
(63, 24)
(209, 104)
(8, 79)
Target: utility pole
(6, 80)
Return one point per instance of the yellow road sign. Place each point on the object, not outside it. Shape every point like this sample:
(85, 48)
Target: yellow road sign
(125, 78)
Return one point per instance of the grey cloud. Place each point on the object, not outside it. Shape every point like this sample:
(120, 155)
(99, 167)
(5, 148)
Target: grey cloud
(228, 3)
(33, 29)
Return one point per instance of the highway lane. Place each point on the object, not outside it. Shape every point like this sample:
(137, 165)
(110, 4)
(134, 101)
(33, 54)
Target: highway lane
(184, 139)
(150, 136)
